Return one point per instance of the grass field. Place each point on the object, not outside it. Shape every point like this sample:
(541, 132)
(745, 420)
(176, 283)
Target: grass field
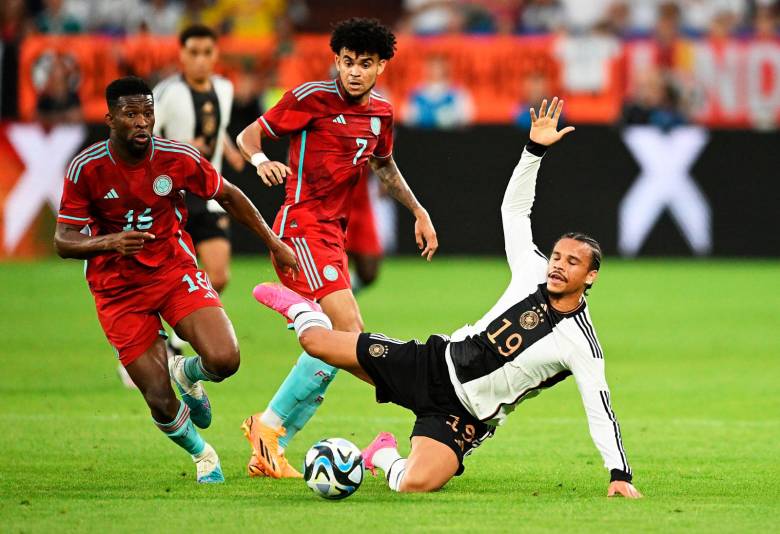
(693, 360)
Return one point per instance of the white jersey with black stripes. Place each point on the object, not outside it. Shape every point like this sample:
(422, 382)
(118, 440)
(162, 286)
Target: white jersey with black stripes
(523, 345)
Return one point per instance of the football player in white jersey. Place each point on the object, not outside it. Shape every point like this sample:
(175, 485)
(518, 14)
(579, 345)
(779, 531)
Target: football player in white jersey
(536, 335)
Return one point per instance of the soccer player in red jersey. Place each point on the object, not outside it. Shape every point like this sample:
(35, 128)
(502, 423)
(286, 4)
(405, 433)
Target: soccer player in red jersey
(122, 211)
(337, 129)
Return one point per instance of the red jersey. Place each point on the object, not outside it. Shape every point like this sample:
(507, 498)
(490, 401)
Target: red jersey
(109, 196)
(331, 141)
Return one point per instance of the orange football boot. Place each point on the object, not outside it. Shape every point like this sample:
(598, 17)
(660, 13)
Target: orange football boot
(266, 458)
(254, 468)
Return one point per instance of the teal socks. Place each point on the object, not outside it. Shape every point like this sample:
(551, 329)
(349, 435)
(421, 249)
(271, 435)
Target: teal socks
(301, 393)
(193, 368)
(305, 411)
(182, 432)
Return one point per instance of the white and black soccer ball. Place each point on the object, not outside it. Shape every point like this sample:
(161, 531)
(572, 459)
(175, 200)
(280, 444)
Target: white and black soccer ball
(333, 468)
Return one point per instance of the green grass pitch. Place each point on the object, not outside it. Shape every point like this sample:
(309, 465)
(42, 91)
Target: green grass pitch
(693, 360)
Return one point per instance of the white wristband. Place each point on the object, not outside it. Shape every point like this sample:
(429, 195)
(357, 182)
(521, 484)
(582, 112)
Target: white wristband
(258, 158)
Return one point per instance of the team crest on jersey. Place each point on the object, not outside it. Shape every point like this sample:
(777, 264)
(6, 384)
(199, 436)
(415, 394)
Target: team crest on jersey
(376, 124)
(529, 320)
(162, 185)
(330, 273)
(377, 350)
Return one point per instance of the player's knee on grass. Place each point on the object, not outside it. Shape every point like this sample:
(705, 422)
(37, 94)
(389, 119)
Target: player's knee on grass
(420, 483)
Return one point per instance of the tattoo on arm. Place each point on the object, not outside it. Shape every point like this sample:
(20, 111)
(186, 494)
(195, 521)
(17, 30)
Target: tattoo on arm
(388, 172)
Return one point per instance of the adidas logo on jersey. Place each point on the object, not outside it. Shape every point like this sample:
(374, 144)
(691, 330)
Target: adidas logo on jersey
(340, 120)
(111, 194)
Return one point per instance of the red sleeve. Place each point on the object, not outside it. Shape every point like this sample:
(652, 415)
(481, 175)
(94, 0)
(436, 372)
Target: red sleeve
(203, 181)
(384, 145)
(287, 116)
(74, 205)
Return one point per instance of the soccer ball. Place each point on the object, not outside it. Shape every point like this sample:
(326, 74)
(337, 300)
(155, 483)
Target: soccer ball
(333, 468)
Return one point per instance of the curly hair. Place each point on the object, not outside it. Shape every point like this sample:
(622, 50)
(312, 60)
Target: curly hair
(363, 36)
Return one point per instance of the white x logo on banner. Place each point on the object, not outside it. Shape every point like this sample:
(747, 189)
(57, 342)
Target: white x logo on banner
(45, 158)
(665, 160)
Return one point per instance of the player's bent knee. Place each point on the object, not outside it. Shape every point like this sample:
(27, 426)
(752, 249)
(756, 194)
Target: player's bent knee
(223, 362)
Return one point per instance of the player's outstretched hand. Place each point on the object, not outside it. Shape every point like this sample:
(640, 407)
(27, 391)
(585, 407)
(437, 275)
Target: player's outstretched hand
(273, 173)
(129, 243)
(425, 235)
(544, 128)
(285, 258)
(626, 489)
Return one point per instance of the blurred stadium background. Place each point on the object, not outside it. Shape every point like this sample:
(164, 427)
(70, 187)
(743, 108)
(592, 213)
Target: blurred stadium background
(676, 156)
(678, 104)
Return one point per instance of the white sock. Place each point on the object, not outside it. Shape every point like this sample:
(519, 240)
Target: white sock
(395, 474)
(384, 458)
(176, 341)
(297, 309)
(269, 418)
(305, 320)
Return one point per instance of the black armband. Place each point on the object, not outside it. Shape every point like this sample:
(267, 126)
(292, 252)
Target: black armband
(617, 474)
(535, 148)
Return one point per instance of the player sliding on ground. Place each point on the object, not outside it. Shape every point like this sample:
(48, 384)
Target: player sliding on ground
(123, 212)
(536, 335)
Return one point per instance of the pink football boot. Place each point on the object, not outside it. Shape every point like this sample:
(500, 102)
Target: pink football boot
(283, 300)
(385, 440)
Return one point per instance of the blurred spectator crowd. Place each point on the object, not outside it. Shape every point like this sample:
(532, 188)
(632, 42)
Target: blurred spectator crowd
(590, 31)
(622, 18)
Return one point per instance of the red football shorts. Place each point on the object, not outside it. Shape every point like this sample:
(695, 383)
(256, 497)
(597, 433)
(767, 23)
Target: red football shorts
(323, 268)
(362, 235)
(130, 317)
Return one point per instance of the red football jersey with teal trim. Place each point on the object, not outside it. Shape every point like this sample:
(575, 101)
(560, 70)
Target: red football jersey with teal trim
(331, 140)
(107, 195)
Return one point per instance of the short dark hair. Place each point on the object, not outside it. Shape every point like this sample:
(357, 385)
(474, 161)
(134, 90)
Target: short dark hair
(595, 250)
(127, 86)
(363, 36)
(196, 30)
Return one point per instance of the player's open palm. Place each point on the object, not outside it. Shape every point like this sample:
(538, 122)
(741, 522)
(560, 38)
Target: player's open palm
(625, 489)
(273, 172)
(544, 127)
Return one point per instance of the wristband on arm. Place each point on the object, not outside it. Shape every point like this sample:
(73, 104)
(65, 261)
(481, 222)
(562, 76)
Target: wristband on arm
(258, 158)
(535, 148)
(619, 474)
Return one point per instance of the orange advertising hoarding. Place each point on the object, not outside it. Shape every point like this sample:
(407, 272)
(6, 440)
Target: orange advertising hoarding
(733, 83)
